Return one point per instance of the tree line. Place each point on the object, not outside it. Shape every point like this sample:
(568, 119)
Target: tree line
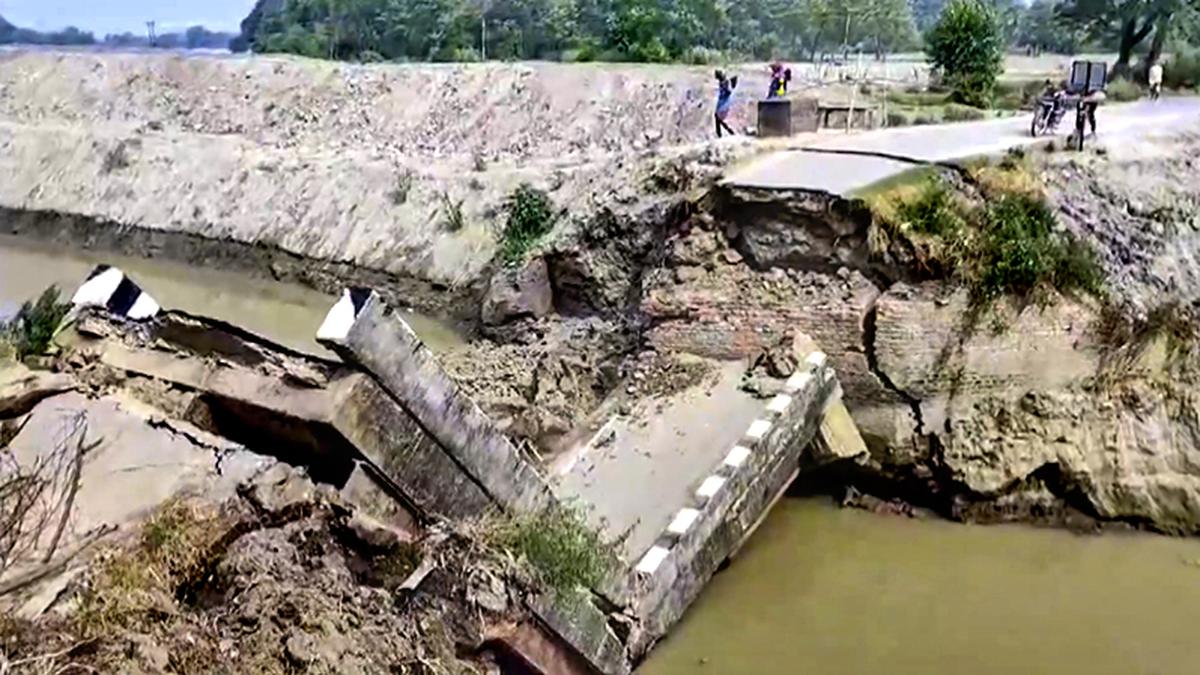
(696, 31)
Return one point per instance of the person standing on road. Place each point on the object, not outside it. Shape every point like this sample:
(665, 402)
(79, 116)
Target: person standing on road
(780, 77)
(725, 87)
(1155, 78)
(1088, 106)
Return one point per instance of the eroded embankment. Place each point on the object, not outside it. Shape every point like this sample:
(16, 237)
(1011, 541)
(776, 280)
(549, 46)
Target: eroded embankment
(399, 169)
(1036, 410)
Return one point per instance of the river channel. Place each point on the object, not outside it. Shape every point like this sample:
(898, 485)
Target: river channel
(818, 590)
(826, 591)
(287, 313)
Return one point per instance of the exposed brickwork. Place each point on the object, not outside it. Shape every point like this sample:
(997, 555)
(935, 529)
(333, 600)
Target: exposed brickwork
(928, 348)
(733, 312)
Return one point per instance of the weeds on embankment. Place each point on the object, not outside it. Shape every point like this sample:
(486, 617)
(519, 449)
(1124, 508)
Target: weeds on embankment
(558, 546)
(1005, 241)
(531, 216)
(29, 332)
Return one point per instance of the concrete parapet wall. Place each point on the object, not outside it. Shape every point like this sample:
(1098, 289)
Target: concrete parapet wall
(365, 332)
(730, 501)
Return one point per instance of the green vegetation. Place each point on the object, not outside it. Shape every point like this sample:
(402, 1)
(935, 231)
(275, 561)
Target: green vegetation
(957, 112)
(934, 211)
(452, 214)
(695, 31)
(1005, 242)
(531, 216)
(1121, 90)
(967, 49)
(1182, 71)
(404, 185)
(1126, 24)
(29, 333)
(558, 546)
(129, 587)
(1019, 253)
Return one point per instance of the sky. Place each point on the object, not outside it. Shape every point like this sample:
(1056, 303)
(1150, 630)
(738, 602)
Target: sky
(117, 16)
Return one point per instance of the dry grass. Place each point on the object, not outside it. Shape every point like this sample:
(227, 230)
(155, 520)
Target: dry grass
(131, 586)
(1014, 174)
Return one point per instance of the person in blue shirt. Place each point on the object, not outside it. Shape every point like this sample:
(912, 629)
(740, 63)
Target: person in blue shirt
(725, 87)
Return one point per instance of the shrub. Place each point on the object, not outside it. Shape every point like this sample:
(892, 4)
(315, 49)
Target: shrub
(702, 56)
(29, 333)
(531, 216)
(1009, 245)
(1017, 95)
(956, 112)
(935, 211)
(897, 119)
(1182, 71)
(1019, 252)
(922, 120)
(967, 47)
(558, 545)
(1122, 89)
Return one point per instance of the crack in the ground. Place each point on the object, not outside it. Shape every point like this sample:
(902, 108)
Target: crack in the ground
(219, 453)
(870, 327)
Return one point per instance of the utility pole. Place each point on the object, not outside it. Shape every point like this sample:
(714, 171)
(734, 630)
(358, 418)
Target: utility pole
(483, 9)
(150, 33)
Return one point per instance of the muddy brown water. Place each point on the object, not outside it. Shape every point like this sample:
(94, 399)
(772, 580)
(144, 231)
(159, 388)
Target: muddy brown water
(827, 591)
(287, 313)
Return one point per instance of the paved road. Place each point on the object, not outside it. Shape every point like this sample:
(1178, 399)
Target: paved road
(841, 174)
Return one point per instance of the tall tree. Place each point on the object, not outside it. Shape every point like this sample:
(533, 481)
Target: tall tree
(1130, 22)
(966, 47)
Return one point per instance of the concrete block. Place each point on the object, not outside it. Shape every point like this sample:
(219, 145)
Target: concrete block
(578, 622)
(774, 117)
(364, 331)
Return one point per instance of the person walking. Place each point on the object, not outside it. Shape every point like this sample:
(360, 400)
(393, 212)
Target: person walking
(725, 87)
(1154, 77)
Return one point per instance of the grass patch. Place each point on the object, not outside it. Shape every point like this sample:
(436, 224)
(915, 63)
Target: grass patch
(531, 216)
(134, 587)
(957, 112)
(1007, 243)
(452, 213)
(559, 547)
(30, 332)
(1121, 90)
(934, 210)
(403, 188)
(918, 99)
(1013, 174)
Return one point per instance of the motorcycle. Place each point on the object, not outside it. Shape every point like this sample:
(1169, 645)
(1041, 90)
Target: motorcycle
(1047, 113)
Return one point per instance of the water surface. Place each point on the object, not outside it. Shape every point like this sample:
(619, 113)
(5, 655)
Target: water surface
(828, 591)
(287, 313)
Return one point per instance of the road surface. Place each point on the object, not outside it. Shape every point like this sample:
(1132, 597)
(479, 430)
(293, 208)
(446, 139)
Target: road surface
(811, 169)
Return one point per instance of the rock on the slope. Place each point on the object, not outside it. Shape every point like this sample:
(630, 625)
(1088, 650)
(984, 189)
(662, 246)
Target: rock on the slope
(518, 293)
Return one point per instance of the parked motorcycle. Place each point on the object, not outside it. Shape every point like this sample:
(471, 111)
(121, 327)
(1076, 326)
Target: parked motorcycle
(1047, 113)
